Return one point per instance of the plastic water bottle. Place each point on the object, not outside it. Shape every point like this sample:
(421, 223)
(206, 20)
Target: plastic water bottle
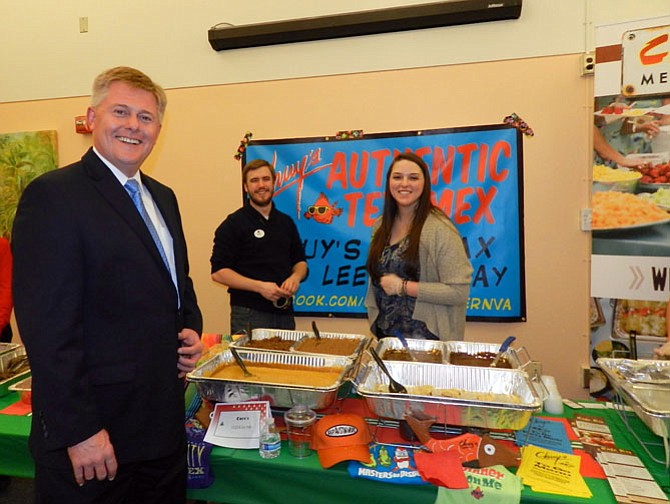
(554, 402)
(270, 442)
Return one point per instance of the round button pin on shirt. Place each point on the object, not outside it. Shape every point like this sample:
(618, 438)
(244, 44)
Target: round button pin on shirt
(259, 233)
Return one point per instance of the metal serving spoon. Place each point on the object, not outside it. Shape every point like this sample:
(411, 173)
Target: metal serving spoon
(316, 331)
(394, 386)
(240, 362)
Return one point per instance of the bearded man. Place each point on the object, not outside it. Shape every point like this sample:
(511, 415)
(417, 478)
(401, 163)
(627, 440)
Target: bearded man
(259, 256)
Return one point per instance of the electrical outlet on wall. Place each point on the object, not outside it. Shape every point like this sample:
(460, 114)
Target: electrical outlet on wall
(588, 63)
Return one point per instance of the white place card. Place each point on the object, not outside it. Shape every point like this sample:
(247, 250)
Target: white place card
(237, 425)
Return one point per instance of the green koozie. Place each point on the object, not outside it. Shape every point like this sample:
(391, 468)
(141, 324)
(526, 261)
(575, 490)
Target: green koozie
(495, 485)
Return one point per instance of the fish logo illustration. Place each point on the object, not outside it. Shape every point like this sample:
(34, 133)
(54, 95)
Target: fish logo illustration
(322, 211)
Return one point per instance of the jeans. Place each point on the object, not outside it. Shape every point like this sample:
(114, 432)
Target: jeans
(243, 318)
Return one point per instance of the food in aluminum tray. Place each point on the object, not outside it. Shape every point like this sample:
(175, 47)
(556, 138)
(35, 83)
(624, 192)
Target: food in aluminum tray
(645, 386)
(482, 354)
(421, 350)
(338, 344)
(13, 367)
(291, 341)
(491, 398)
(278, 394)
(274, 340)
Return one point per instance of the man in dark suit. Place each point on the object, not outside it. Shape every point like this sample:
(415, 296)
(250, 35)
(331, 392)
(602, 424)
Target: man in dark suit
(107, 311)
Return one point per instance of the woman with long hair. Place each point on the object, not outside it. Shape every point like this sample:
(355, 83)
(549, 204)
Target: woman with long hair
(419, 271)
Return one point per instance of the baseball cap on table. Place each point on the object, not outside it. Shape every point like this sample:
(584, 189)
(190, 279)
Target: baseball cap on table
(339, 437)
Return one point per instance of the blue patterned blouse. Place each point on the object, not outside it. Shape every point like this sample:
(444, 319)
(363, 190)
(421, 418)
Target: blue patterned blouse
(395, 312)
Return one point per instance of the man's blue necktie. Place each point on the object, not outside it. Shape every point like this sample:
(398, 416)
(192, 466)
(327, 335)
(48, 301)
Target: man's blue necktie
(133, 189)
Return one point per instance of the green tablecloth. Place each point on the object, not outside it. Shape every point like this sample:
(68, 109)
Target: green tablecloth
(15, 458)
(241, 476)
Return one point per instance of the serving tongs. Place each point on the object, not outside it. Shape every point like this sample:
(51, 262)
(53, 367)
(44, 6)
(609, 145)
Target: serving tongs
(242, 333)
(503, 350)
(394, 386)
(240, 362)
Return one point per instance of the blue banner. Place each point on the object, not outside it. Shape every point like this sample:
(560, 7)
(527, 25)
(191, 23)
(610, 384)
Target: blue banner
(333, 188)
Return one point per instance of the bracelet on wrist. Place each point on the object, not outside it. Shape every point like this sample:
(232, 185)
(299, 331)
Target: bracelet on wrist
(403, 289)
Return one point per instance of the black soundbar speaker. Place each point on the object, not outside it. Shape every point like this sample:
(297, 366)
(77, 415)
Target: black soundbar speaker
(224, 36)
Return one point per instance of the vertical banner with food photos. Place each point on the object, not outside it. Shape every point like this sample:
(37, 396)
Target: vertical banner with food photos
(630, 273)
(333, 188)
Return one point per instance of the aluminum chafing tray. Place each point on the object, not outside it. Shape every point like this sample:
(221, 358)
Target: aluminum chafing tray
(24, 388)
(363, 342)
(491, 398)
(296, 337)
(266, 334)
(24, 385)
(8, 347)
(6, 359)
(517, 357)
(279, 395)
(422, 350)
(648, 397)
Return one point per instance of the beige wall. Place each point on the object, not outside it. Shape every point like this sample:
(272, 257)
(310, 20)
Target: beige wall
(44, 56)
(171, 43)
(204, 126)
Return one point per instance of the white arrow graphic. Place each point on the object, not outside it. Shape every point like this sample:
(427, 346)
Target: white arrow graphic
(638, 277)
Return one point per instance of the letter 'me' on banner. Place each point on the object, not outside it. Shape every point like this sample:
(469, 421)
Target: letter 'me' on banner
(334, 191)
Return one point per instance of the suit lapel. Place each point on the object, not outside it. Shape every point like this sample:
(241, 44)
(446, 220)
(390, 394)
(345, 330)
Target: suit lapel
(111, 190)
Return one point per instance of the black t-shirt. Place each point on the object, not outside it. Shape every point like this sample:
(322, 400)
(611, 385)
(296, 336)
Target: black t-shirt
(258, 248)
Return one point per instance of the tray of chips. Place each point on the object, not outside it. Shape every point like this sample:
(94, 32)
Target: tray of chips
(282, 378)
(491, 398)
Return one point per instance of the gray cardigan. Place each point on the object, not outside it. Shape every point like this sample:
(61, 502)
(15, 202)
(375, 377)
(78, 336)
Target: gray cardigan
(444, 284)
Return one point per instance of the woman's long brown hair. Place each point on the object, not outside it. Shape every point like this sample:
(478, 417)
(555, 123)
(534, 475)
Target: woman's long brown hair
(382, 236)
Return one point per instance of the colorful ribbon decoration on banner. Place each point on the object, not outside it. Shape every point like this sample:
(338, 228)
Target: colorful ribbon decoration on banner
(348, 135)
(243, 145)
(520, 124)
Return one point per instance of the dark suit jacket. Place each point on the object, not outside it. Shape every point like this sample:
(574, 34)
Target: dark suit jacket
(98, 313)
